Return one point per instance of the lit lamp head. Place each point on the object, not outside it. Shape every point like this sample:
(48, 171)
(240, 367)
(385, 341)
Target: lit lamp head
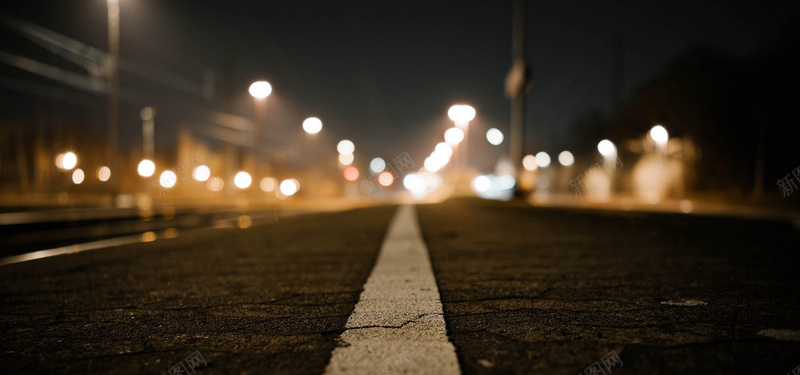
(312, 125)
(260, 89)
(606, 148)
(659, 135)
(461, 114)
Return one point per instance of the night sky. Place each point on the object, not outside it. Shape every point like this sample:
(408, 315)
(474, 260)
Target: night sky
(384, 73)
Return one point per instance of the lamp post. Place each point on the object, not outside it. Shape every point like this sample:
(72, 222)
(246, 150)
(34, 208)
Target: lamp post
(260, 90)
(113, 91)
(462, 114)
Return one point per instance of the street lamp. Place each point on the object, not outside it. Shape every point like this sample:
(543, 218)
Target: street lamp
(659, 135)
(113, 88)
(453, 136)
(312, 125)
(461, 114)
(609, 152)
(260, 89)
(146, 168)
(67, 160)
(242, 180)
(345, 147)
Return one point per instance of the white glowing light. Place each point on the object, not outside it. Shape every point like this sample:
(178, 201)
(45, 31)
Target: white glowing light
(453, 136)
(444, 149)
(346, 159)
(201, 173)
(377, 165)
(289, 187)
(78, 176)
(507, 181)
(346, 147)
(494, 136)
(168, 179)
(260, 89)
(69, 160)
(566, 159)
(542, 159)
(242, 180)
(461, 114)
(432, 164)
(312, 125)
(146, 168)
(481, 184)
(268, 184)
(606, 148)
(103, 173)
(414, 183)
(659, 135)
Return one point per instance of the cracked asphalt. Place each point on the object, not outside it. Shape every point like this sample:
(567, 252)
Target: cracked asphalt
(532, 290)
(267, 299)
(525, 290)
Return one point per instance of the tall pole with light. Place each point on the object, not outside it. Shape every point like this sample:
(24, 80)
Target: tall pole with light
(517, 82)
(462, 114)
(113, 91)
(260, 90)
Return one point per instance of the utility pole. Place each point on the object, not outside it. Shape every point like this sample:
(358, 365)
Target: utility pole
(617, 75)
(113, 94)
(517, 82)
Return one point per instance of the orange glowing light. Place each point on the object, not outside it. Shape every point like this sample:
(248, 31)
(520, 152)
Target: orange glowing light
(351, 174)
(385, 179)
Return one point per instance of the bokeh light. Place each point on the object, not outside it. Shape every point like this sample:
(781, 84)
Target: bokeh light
(68, 161)
(268, 184)
(146, 168)
(529, 163)
(453, 136)
(78, 176)
(461, 113)
(289, 187)
(215, 184)
(351, 173)
(346, 147)
(385, 179)
(242, 180)
(312, 125)
(167, 179)
(377, 165)
(659, 135)
(103, 173)
(566, 159)
(542, 159)
(346, 159)
(606, 148)
(201, 173)
(481, 184)
(494, 136)
(260, 89)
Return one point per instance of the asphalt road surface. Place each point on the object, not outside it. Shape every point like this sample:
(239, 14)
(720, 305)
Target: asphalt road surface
(464, 286)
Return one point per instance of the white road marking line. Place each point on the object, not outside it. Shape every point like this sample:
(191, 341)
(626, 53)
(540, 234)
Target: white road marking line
(398, 323)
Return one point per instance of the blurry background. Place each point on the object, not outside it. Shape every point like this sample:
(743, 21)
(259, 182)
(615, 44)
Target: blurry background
(718, 76)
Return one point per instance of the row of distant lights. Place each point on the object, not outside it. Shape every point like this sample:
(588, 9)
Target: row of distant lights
(68, 160)
(202, 173)
(606, 148)
(311, 125)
